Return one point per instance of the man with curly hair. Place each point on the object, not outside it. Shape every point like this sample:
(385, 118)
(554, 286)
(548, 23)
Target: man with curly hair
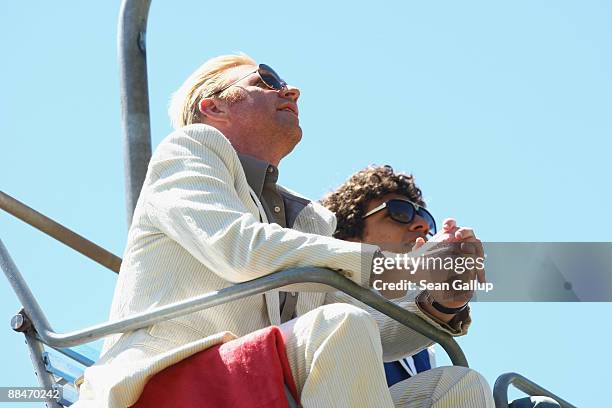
(379, 206)
(357, 197)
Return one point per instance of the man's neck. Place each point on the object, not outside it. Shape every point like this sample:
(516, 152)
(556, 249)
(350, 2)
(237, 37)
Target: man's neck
(257, 153)
(253, 145)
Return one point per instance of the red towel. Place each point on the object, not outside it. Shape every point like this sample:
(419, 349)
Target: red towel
(247, 372)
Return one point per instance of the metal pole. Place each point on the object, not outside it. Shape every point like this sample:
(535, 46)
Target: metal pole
(44, 378)
(20, 287)
(59, 232)
(134, 97)
(500, 390)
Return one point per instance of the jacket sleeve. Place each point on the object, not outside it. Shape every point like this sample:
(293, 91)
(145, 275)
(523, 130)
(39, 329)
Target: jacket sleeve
(191, 196)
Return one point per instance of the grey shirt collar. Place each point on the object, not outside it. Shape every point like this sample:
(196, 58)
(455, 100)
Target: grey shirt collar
(258, 172)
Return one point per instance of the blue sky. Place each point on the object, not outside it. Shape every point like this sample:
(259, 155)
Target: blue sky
(500, 110)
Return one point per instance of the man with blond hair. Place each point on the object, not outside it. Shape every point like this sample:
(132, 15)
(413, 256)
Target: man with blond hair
(211, 214)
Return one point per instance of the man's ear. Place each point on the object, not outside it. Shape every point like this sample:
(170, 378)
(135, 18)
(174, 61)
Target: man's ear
(213, 110)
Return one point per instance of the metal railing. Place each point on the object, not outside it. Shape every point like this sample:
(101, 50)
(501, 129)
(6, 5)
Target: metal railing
(59, 232)
(45, 333)
(500, 390)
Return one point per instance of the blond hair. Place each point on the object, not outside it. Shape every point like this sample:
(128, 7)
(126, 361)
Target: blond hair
(208, 78)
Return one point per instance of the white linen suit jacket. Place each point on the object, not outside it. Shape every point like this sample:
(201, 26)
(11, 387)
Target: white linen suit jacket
(198, 227)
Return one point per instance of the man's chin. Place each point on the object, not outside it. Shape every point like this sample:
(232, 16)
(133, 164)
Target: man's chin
(299, 135)
(295, 135)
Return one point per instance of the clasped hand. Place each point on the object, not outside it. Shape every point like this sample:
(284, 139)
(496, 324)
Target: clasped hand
(447, 265)
(453, 260)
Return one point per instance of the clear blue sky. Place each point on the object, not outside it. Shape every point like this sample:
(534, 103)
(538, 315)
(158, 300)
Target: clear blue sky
(502, 111)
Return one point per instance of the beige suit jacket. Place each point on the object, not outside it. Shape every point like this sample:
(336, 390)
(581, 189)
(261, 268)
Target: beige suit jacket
(198, 227)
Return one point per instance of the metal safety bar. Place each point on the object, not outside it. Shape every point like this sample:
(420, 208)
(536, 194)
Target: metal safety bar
(59, 232)
(131, 42)
(500, 390)
(255, 287)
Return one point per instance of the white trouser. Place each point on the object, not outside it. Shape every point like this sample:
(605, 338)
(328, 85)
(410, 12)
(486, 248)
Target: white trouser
(335, 355)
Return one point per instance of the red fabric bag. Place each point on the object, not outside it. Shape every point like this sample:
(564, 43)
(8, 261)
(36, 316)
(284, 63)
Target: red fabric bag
(247, 372)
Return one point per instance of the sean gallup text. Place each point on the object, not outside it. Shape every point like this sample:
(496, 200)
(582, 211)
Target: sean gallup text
(457, 284)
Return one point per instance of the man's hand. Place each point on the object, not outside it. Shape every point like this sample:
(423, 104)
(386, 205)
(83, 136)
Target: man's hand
(438, 262)
(462, 246)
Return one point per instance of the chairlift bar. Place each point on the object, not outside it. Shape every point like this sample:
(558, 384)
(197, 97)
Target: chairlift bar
(131, 43)
(500, 390)
(235, 292)
(59, 232)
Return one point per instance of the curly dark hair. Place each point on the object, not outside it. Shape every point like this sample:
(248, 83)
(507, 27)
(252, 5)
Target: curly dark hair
(350, 201)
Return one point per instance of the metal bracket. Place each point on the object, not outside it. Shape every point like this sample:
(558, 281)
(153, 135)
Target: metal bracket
(20, 322)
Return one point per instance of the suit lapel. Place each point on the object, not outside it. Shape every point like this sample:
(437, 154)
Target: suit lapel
(262, 214)
(272, 302)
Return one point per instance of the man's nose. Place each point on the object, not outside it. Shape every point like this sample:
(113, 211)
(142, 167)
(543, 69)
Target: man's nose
(419, 224)
(290, 92)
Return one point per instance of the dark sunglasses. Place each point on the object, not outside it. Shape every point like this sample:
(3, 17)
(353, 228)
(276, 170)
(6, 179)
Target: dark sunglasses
(403, 211)
(268, 76)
